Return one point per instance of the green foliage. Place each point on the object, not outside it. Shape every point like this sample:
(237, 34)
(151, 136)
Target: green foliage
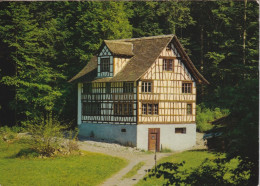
(46, 138)
(9, 134)
(243, 130)
(86, 169)
(205, 115)
(166, 150)
(27, 153)
(196, 168)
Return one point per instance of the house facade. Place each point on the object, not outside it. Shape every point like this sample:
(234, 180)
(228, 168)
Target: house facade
(140, 92)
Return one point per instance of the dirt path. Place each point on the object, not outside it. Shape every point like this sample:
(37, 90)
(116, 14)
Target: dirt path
(133, 155)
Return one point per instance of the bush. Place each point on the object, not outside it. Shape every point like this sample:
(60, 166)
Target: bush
(46, 138)
(205, 115)
(7, 134)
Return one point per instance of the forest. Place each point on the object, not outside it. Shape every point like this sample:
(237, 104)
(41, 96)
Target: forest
(44, 44)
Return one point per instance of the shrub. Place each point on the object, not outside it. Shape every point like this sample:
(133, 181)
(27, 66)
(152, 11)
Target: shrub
(7, 134)
(71, 143)
(205, 115)
(46, 138)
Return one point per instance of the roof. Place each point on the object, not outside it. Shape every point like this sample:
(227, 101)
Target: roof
(120, 47)
(145, 52)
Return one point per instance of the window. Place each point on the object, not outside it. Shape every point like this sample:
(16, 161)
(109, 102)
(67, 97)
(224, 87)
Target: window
(146, 86)
(150, 106)
(144, 108)
(123, 130)
(155, 111)
(105, 65)
(130, 109)
(149, 109)
(90, 109)
(189, 109)
(123, 109)
(120, 109)
(108, 87)
(186, 87)
(128, 87)
(168, 64)
(180, 130)
(115, 109)
(168, 48)
(87, 88)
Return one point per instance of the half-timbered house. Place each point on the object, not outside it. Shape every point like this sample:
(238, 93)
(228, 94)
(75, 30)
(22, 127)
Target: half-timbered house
(140, 92)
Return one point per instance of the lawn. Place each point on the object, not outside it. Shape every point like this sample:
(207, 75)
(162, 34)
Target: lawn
(192, 160)
(87, 169)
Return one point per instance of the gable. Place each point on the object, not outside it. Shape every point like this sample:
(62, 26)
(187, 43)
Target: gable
(145, 51)
(178, 68)
(105, 51)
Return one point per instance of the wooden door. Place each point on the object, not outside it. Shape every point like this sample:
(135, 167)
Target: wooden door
(154, 139)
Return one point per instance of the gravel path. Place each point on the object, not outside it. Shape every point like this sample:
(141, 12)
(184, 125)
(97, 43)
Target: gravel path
(133, 155)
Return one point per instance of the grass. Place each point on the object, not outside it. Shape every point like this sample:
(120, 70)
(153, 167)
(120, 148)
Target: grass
(134, 170)
(192, 160)
(88, 169)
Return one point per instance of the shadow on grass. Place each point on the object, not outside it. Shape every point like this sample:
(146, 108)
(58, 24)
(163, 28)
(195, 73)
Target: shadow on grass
(25, 153)
(209, 172)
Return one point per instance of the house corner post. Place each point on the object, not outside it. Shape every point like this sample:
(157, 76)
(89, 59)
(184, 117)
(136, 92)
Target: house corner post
(79, 103)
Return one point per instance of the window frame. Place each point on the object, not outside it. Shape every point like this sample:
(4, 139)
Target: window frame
(94, 109)
(123, 109)
(180, 130)
(168, 65)
(150, 109)
(146, 85)
(189, 109)
(108, 88)
(105, 64)
(186, 87)
(128, 87)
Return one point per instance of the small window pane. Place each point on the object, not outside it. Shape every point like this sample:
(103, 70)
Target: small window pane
(180, 130)
(144, 108)
(130, 109)
(155, 109)
(120, 109)
(125, 109)
(116, 109)
(108, 87)
(150, 108)
(164, 64)
(189, 109)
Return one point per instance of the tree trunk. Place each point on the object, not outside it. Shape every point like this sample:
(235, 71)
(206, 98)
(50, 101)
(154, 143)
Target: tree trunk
(244, 33)
(202, 55)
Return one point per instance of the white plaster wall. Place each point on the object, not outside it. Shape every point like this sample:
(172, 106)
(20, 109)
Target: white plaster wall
(168, 138)
(110, 132)
(80, 85)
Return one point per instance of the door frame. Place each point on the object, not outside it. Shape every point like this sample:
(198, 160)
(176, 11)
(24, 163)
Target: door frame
(157, 132)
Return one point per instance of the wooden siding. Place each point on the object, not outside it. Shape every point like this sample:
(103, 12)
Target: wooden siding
(107, 100)
(119, 63)
(167, 91)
